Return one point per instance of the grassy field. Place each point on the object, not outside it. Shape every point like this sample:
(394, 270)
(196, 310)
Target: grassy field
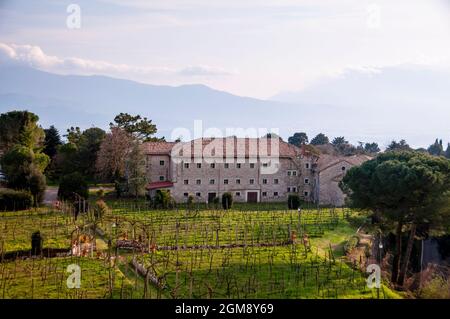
(16, 229)
(262, 272)
(46, 278)
(204, 253)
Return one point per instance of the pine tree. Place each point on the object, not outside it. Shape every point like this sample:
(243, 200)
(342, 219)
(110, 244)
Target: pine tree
(52, 141)
(447, 152)
(436, 149)
(320, 139)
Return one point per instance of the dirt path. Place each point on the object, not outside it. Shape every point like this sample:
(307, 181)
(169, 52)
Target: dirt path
(51, 195)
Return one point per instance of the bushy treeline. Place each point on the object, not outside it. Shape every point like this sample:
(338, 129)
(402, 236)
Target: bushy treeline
(30, 154)
(22, 161)
(340, 146)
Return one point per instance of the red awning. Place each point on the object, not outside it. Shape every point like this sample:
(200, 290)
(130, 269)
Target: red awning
(157, 185)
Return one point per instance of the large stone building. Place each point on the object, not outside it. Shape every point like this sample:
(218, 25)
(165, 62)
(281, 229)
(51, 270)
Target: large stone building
(253, 170)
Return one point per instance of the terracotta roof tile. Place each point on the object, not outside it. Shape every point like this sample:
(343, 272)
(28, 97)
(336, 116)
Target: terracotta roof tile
(248, 147)
(325, 161)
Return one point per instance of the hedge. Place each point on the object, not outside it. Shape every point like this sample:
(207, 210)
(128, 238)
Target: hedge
(11, 199)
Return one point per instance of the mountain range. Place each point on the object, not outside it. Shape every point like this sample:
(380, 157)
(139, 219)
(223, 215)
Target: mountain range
(363, 107)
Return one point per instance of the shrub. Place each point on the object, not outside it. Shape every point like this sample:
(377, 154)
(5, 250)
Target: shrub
(351, 243)
(190, 202)
(36, 243)
(120, 187)
(216, 202)
(37, 187)
(72, 184)
(227, 200)
(163, 199)
(14, 200)
(437, 288)
(293, 201)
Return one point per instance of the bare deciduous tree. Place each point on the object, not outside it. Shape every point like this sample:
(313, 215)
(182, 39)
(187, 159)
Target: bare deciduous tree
(111, 160)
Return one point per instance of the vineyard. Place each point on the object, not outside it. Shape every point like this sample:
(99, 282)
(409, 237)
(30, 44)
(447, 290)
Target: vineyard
(131, 251)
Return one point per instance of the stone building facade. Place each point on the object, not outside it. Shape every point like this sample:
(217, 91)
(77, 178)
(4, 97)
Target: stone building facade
(267, 175)
(298, 170)
(329, 171)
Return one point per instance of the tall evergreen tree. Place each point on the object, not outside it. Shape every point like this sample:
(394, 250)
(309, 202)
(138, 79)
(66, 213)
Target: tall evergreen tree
(371, 148)
(52, 141)
(23, 162)
(298, 139)
(140, 127)
(447, 152)
(406, 190)
(437, 148)
(340, 140)
(398, 146)
(20, 128)
(320, 139)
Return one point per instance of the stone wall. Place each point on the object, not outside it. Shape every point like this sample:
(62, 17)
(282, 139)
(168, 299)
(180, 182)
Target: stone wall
(155, 170)
(329, 178)
(226, 180)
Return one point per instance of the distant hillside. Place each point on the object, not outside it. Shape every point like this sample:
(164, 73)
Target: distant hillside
(391, 104)
(67, 100)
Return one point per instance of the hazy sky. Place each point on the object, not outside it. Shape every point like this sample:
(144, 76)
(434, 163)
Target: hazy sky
(255, 48)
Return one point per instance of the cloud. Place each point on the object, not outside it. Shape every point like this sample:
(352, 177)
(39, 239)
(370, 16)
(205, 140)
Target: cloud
(34, 56)
(204, 70)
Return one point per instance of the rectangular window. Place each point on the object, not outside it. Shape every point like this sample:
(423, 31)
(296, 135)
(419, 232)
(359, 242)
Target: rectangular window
(276, 181)
(161, 163)
(198, 181)
(264, 180)
(306, 180)
(198, 194)
(186, 182)
(288, 189)
(238, 181)
(294, 189)
(306, 194)
(161, 178)
(252, 165)
(226, 165)
(186, 194)
(213, 165)
(265, 164)
(252, 181)
(307, 165)
(275, 193)
(264, 194)
(238, 194)
(294, 173)
(238, 165)
(289, 173)
(225, 181)
(186, 165)
(199, 165)
(212, 181)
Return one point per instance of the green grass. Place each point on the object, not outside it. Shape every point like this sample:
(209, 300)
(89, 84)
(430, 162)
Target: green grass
(46, 279)
(282, 271)
(276, 272)
(16, 229)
